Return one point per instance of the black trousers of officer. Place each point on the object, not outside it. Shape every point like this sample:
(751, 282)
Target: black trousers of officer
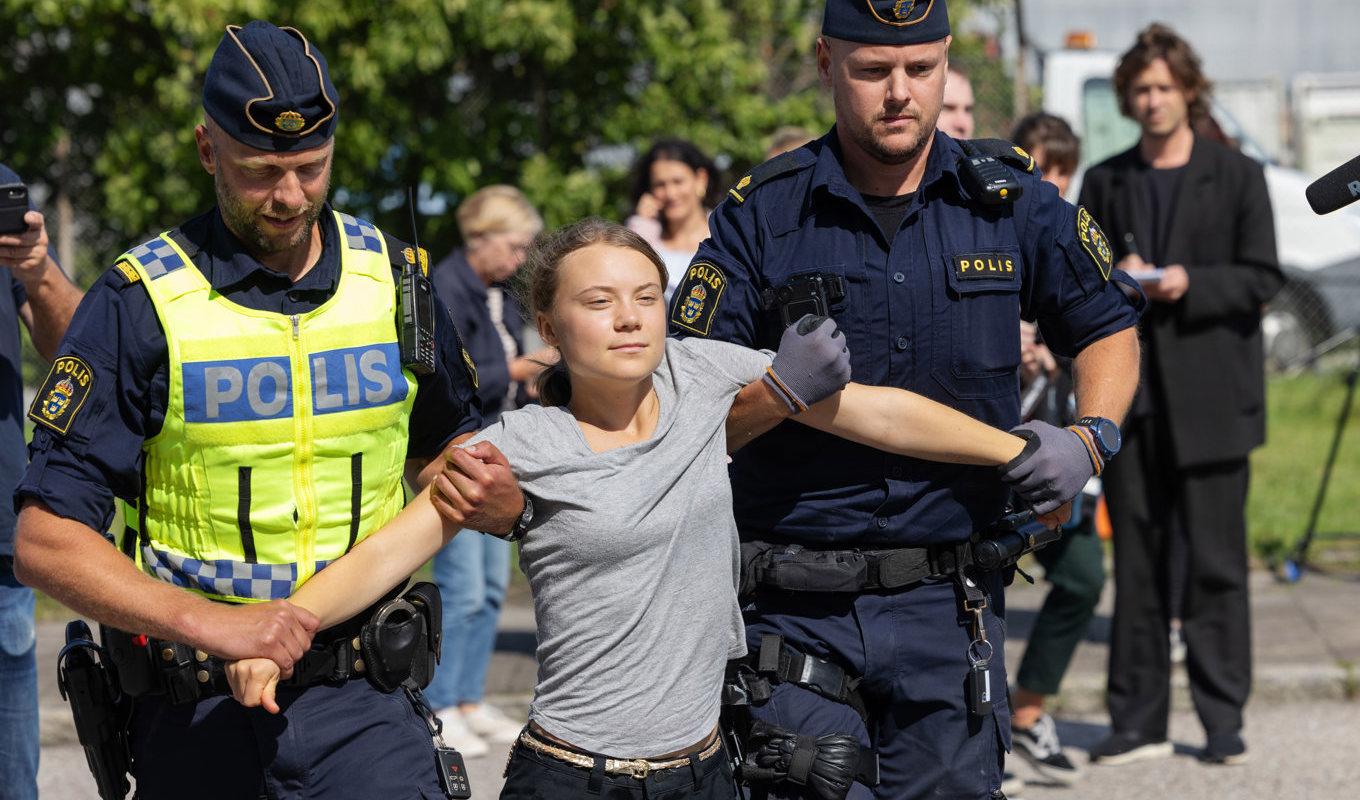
(1148, 498)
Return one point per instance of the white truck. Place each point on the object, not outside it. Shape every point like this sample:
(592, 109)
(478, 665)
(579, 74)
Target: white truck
(1319, 255)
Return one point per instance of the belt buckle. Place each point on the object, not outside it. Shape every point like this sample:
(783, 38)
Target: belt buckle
(638, 768)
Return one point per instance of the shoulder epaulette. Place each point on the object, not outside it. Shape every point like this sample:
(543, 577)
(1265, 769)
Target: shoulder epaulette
(782, 164)
(1001, 150)
(400, 254)
(155, 256)
(130, 275)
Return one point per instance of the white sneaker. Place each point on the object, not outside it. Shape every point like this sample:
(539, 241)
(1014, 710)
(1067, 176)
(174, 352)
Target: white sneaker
(459, 736)
(1177, 638)
(492, 724)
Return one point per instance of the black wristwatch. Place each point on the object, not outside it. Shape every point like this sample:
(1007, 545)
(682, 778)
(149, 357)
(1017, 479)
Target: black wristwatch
(521, 522)
(1105, 434)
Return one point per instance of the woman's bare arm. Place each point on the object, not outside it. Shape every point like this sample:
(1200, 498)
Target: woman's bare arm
(908, 424)
(351, 584)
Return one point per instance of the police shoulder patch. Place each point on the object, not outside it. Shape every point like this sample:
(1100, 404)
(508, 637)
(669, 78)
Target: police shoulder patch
(63, 393)
(1093, 241)
(782, 164)
(696, 299)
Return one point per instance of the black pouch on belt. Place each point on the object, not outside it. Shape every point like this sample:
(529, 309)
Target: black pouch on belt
(396, 642)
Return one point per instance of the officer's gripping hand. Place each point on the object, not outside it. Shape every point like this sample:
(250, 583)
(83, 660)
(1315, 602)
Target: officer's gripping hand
(477, 490)
(812, 363)
(277, 630)
(1054, 466)
(253, 681)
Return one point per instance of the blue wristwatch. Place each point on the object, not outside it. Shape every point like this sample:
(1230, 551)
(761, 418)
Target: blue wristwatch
(1105, 434)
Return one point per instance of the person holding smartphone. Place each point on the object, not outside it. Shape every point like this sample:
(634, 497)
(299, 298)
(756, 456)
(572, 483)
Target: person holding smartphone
(671, 197)
(34, 290)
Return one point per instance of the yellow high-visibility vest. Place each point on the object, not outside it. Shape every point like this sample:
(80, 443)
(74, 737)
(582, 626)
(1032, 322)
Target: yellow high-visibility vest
(285, 435)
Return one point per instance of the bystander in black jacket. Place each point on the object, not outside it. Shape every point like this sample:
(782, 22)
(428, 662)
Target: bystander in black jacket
(1205, 354)
(1177, 491)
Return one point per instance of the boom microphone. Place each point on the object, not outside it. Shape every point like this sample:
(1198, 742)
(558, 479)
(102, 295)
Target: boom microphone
(1336, 189)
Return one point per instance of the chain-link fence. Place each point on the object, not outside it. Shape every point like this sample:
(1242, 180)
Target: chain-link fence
(1314, 320)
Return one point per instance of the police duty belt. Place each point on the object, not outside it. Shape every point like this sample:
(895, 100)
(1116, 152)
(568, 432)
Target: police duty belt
(795, 568)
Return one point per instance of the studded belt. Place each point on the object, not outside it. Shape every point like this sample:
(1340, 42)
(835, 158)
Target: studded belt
(638, 768)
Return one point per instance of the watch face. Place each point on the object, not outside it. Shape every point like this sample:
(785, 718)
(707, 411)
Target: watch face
(1108, 434)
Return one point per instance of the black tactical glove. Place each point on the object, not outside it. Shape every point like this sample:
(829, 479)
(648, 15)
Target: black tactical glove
(826, 765)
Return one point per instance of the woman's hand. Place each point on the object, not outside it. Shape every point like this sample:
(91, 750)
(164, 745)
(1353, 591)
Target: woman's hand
(253, 681)
(648, 207)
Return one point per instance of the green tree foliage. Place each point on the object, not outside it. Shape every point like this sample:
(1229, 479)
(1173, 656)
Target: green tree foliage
(450, 95)
(446, 94)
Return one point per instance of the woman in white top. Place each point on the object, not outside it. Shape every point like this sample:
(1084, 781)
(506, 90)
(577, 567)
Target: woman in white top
(671, 184)
(632, 555)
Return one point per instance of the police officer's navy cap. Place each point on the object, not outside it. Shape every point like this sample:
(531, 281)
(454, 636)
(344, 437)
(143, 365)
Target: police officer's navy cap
(269, 88)
(886, 21)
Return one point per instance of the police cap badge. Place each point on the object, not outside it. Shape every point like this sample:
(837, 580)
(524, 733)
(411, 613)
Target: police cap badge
(886, 21)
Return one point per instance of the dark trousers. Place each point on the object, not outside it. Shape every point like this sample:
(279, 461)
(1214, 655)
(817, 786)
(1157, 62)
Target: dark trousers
(911, 648)
(342, 741)
(1149, 499)
(1074, 565)
(531, 776)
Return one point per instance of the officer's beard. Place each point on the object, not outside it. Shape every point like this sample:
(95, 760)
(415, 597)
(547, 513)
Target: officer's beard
(245, 221)
(896, 153)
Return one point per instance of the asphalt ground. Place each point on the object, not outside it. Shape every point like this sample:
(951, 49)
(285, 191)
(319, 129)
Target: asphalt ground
(1303, 722)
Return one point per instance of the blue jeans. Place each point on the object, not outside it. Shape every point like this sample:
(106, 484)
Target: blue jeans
(18, 690)
(472, 572)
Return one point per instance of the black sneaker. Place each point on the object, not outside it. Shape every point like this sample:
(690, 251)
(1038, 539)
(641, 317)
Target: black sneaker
(1126, 748)
(1039, 746)
(1224, 748)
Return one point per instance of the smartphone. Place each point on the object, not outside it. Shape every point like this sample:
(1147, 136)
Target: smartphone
(13, 207)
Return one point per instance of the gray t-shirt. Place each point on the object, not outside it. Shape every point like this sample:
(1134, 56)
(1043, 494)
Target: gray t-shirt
(633, 560)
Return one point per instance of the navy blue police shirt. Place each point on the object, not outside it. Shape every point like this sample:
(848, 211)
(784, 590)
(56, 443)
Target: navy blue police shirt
(459, 286)
(116, 331)
(934, 307)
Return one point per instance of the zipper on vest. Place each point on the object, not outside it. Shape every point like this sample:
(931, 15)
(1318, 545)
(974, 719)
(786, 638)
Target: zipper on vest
(303, 488)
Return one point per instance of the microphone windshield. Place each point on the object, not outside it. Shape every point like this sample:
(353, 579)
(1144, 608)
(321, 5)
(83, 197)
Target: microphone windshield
(1336, 189)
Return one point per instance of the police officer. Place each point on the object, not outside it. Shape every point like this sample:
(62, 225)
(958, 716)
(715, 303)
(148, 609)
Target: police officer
(237, 383)
(928, 263)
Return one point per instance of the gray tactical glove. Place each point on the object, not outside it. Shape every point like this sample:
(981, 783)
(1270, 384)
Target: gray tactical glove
(1054, 466)
(812, 364)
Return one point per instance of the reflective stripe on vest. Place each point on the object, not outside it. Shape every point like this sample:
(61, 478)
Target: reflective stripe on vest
(285, 436)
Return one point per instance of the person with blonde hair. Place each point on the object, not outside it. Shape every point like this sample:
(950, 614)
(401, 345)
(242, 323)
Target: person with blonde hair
(497, 223)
